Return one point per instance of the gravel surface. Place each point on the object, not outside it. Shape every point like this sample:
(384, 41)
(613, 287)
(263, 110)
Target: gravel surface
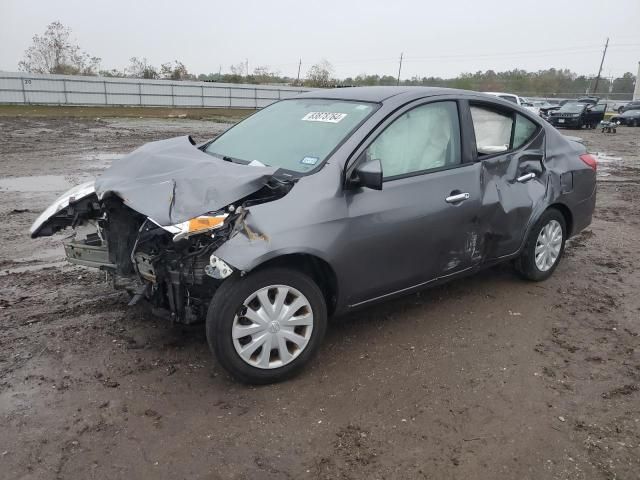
(487, 377)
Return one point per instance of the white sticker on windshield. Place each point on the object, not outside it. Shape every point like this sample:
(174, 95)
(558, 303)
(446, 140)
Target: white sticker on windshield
(327, 117)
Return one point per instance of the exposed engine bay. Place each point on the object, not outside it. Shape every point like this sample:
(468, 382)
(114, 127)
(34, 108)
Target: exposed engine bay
(172, 266)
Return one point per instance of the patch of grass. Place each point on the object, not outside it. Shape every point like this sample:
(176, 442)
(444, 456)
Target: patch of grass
(230, 115)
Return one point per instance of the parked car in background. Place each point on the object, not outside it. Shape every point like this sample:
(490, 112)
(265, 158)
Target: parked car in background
(522, 101)
(630, 118)
(577, 115)
(635, 105)
(588, 99)
(324, 203)
(544, 107)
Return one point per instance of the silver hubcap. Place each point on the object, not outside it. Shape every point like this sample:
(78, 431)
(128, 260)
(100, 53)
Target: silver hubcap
(548, 245)
(272, 327)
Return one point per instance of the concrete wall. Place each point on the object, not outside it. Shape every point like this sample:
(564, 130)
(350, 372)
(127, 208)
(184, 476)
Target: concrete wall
(35, 89)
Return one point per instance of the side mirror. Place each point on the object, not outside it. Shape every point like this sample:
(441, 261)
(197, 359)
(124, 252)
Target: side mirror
(368, 174)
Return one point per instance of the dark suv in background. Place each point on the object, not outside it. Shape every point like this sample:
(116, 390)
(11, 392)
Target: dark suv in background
(577, 115)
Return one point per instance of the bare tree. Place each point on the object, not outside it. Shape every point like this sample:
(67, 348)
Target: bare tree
(54, 52)
(140, 68)
(320, 75)
(175, 71)
(264, 74)
(238, 70)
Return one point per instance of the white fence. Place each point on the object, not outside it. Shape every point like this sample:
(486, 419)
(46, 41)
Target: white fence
(34, 89)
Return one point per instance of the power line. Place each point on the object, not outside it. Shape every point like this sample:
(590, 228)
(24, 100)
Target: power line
(584, 49)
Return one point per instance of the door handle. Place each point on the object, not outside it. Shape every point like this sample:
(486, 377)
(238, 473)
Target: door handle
(526, 177)
(459, 197)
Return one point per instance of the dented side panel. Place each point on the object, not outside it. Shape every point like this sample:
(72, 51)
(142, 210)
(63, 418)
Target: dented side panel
(514, 187)
(383, 242)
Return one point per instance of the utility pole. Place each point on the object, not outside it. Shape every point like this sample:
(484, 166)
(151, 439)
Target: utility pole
(299, 67)
(595, 89)
(247, 60)
(399, 68)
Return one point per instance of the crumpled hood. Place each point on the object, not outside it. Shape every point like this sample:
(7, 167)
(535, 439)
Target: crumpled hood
(172, 181)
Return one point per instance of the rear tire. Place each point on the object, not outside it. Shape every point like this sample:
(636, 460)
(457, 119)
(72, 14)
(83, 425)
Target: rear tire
(258, 304)
(543, 248)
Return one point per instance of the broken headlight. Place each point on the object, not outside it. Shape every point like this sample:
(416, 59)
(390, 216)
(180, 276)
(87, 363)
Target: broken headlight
(196, 225)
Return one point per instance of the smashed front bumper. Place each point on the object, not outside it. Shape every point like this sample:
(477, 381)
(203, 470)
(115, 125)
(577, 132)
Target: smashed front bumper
(90, 252)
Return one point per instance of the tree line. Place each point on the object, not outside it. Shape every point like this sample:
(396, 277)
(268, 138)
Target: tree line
(55, 52)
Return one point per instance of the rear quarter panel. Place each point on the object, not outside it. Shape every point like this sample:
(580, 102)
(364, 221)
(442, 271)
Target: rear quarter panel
(572, 183)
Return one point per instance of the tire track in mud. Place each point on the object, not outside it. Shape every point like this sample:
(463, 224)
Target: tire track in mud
(435, 385)
(592, 353)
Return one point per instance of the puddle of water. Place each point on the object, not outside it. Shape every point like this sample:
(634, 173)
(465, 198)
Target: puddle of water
(104, 157)
(605, 163)
(49, 255)
(36, 183)
(609, 167)
(606, 158)
(99, 161)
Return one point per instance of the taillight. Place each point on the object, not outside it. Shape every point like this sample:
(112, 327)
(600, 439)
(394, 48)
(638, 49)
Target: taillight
(590, 160)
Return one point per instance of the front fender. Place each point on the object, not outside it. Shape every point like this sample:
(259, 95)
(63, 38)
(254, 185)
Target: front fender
(245, 254)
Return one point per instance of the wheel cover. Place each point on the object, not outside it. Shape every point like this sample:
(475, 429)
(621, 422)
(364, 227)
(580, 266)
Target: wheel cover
(272, 327)
(548, 245)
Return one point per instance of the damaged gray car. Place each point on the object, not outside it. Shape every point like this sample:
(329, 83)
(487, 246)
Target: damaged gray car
(321, 204)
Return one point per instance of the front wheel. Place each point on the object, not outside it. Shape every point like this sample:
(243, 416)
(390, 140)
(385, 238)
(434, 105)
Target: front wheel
(544, 247)
(266, 326)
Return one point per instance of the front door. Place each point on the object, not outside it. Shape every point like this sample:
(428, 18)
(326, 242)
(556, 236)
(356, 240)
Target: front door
(423, 223)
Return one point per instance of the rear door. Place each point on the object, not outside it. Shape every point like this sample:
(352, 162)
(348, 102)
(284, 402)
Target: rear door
(510, 149)
(423, 223)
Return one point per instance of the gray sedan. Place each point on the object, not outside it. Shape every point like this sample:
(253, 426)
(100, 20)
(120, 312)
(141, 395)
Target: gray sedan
(328, 202)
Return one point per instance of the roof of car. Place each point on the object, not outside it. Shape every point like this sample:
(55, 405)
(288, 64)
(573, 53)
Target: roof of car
(379, 94)
(501, 93)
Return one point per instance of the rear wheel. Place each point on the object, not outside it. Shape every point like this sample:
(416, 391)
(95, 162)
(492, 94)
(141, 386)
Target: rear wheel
(544, 247)
(266, 326)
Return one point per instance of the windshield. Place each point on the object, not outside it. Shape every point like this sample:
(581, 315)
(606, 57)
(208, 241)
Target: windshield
(295, 135)
(572, 108)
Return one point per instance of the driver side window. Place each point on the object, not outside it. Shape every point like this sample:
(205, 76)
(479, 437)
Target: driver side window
(421, 139)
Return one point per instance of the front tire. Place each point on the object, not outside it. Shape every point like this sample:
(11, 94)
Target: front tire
(544, 247)
(263, 328)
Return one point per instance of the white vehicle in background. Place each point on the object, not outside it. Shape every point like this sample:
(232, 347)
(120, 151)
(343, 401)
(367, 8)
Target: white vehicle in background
(522, 101)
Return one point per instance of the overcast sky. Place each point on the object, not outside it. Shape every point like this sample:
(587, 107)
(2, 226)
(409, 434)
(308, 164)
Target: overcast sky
(441, 38)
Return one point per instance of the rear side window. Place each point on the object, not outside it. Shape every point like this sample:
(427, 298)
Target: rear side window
(498, 131)
(523, 131)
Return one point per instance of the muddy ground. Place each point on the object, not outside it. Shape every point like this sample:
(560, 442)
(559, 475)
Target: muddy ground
(489, 377)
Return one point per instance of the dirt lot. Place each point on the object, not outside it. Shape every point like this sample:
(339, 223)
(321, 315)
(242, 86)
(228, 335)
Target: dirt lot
(490, 377)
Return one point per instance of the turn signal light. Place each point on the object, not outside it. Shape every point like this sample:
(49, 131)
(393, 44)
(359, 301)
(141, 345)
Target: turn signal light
(205, 223)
